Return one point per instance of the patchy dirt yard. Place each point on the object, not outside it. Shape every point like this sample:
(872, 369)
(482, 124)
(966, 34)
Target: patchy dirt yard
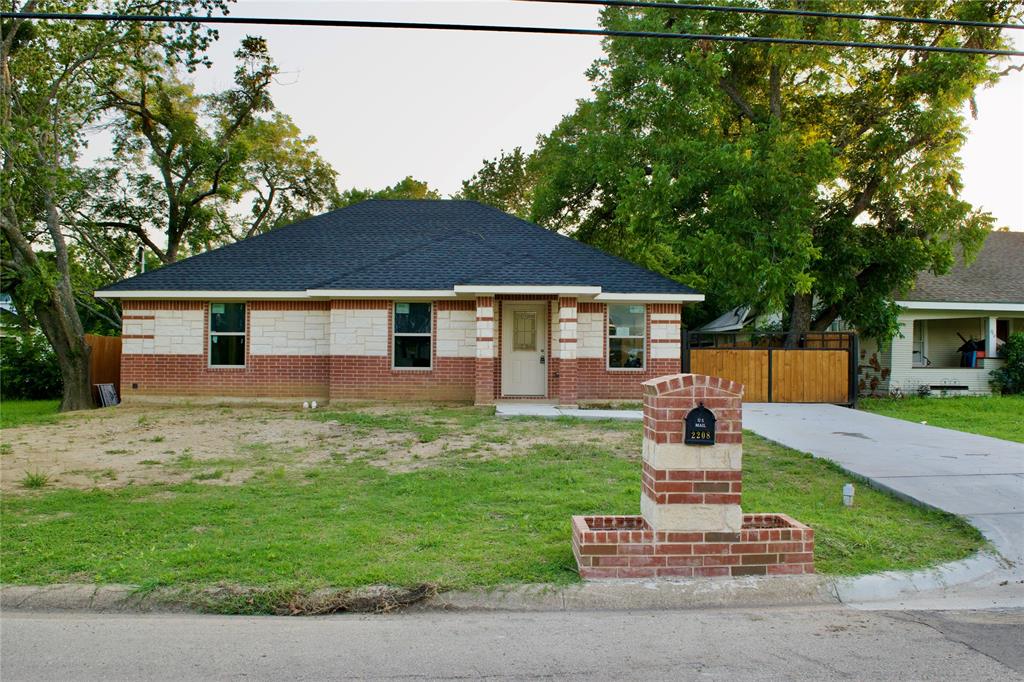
(227, 444)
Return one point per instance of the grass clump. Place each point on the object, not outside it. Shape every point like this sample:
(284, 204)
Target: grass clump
(34, 480)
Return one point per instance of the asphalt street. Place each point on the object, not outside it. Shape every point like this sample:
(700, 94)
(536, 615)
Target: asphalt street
(819, 643)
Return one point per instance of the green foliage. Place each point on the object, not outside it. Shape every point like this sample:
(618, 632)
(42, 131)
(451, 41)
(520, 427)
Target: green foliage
(770, 175)
(183, 161)
(505, 183)
(406, 188)
(28, 367)
(1010, 377)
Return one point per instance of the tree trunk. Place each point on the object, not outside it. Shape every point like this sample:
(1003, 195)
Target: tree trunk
(799, 318)
(825, 318)
(71, 351)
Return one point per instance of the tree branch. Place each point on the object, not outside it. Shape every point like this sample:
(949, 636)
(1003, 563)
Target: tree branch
(775, 91)
(137, 230)
(734, 94)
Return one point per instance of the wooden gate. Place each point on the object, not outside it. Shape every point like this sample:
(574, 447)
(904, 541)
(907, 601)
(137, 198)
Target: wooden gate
(104, 362)
(820, 370)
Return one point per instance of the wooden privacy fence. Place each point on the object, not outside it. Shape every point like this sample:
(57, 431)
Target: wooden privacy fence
(821, 369)
(104, 362)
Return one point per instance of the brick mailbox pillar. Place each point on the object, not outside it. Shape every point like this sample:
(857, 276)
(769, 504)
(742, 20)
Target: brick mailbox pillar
(692, 487)
(691, 524)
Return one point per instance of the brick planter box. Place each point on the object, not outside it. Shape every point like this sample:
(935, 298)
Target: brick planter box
(627, 547)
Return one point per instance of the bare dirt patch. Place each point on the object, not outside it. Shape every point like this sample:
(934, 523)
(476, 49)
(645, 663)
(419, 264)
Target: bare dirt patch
(227, 445)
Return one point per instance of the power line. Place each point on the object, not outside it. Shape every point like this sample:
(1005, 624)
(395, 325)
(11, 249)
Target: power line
(787, 12)
(543, 30)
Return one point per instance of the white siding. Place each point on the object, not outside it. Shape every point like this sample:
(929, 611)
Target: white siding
(289, 332)
(174, 332)
(456, 333)
(666, 336)
(590, 335)
(359, 332)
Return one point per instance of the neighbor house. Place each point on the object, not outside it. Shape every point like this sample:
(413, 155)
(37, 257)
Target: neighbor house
(437, 300)
(951, 327)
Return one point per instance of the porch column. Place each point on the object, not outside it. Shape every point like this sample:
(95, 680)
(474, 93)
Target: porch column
(564, 351)
(485, 355)
(990, 337)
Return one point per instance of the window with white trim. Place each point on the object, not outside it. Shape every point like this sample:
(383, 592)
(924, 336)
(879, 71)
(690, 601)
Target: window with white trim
(227, 334)
(411, 333)
(627, 336)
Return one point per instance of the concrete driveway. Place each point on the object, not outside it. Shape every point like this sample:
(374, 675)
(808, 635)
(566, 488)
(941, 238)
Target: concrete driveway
(978, 477)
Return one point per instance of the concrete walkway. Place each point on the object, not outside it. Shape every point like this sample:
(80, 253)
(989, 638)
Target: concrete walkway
(978, 477)
(548, 411)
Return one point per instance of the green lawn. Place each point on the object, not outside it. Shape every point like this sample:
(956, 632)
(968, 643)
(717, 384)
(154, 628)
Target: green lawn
(21, 412)
(997, 416)
(461, 521)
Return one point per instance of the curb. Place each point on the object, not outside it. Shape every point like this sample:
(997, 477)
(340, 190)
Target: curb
(646, 595)
(595, 595)
(971, 579)
(885, 590)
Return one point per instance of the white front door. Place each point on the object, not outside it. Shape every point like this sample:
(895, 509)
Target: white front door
(524, 338)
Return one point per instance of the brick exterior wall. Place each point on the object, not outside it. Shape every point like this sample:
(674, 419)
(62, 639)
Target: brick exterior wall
(342, 349)
(662, 352)
(362, 377)
(264, 376)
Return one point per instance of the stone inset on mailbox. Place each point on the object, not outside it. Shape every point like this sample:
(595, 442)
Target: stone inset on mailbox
(691, 523)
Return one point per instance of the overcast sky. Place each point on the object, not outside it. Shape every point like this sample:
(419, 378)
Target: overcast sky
(384, 104)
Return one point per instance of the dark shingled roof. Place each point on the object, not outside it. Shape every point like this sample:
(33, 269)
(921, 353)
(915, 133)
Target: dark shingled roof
(995, 276)
(383, 244)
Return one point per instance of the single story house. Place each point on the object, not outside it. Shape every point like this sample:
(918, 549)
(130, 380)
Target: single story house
(944, 317)
(446, 300)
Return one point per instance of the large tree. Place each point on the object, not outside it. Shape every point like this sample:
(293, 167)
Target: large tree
(183, 161)
(505, 182)
(53, 75)
(810, 180)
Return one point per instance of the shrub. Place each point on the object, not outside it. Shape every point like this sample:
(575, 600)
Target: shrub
(1010, 377)
(28, 367)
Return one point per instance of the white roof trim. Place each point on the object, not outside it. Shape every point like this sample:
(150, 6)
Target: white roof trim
(381, 293)
(657, 298)
(956, 305)
(525, 289)
(402, 293)
(179, 295)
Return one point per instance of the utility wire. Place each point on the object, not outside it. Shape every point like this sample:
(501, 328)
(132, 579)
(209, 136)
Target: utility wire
(787, 12)
(543, 30)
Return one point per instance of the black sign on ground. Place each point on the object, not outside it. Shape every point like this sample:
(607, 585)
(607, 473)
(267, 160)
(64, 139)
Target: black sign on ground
(700, 426)
(108, 395)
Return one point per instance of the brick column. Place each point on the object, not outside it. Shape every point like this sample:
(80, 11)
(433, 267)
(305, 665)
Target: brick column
(564, 352)
(485, 350)
(689, 488)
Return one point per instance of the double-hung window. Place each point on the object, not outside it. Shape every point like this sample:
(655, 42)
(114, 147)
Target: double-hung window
(227, 334)
(627, 332)
(411, 335)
